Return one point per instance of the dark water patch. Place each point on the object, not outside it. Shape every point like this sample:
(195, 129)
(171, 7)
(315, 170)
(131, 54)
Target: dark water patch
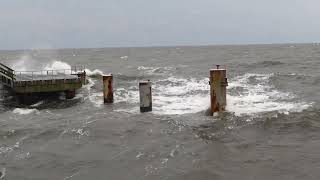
(40, 102)
(307, 120)
(129, 77)
(262, 64)
(15, 133)
(219, 127)
(270, 63)
(197, 174)
(45, 134)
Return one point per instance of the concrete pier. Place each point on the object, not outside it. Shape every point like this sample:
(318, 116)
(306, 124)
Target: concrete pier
(145, 93)
(24, 83)
(108, 88)
(218, 84)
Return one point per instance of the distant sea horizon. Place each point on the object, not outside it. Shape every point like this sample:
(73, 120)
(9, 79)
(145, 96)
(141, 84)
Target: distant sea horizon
(163, 46)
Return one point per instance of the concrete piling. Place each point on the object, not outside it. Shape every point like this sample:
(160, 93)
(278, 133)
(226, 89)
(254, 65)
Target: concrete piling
(108, 88)
(218, 87)
(145, 96)
(70, 94)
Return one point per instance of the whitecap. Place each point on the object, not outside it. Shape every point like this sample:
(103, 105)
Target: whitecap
(24, 111)
(124, 57)
(96, 98)
(260, 96)
(37, 104)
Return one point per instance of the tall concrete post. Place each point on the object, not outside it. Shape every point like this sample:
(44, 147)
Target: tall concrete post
(218, 88)
(145, 96)
(108, 88)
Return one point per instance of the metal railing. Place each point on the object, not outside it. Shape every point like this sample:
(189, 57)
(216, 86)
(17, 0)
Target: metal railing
(48, 74)
(6, 71)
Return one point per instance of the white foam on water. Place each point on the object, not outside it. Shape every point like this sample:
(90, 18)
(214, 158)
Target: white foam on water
(155, 70)
(181, 96)
(124, 57)
(37, 104)
(3, 172)
(60, 65)
(123, 95)
(260, 96)
(24, 111)
(96, 98)
(90, 84)
(254, 94)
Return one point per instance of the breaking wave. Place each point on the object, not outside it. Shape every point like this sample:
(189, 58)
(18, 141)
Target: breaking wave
(156, 70)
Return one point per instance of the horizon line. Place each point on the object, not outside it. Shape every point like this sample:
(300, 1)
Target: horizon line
(165, 46)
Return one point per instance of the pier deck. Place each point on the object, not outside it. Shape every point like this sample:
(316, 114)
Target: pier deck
(28, 77)
(46, 81)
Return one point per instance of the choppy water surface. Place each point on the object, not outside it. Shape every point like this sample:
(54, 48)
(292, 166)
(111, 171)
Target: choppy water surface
(270, 131)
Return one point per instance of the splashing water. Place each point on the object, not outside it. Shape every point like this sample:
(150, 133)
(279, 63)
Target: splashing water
(94, 73)
(248, 94)
(257, 95)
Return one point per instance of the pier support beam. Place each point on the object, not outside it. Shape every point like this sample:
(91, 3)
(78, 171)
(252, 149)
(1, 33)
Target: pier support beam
(70, 94)
(145, 96)
(218, 84)
(108, 88)
(26, 98)
(82, 77)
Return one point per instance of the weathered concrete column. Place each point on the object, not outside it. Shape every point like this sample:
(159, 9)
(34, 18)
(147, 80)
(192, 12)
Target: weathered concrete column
(218, 88)
(70, 94)
(145, 96)
(108, 88)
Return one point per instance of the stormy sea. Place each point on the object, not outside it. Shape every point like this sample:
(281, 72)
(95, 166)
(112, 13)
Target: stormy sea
(271, 129)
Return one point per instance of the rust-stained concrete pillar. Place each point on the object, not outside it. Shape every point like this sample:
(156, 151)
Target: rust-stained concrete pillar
(218, 87)
(108, 88)
(145, 96)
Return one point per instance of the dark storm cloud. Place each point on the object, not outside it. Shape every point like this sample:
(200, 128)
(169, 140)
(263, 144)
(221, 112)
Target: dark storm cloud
(103, 23)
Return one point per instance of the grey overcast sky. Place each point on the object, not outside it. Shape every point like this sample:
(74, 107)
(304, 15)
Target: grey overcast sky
(113, 23)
